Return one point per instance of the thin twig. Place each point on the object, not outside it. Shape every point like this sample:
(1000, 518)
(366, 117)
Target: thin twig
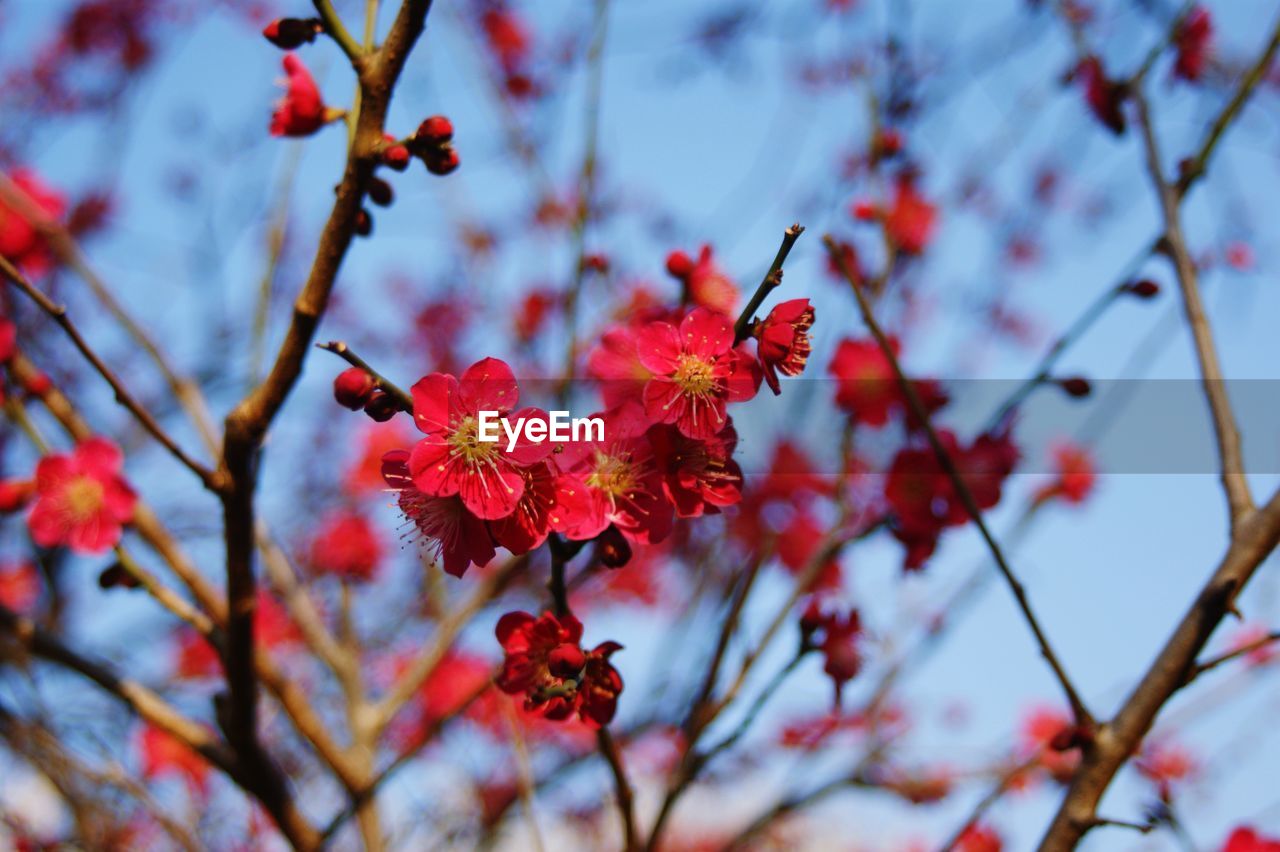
(771, 281)
(622, 788)
(948, 465)
(337, 347)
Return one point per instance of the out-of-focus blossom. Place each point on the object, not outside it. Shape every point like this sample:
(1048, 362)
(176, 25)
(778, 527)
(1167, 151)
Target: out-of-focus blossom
(81, 499)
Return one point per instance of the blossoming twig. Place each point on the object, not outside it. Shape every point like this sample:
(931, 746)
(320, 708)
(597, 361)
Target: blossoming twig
(772, 279)
(948, 465)
(59, 315)
(337, 347)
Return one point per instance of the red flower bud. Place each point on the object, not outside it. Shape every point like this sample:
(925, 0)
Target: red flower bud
(566, 660)
(679, 265)
(436, 130)
(1076, 386)
(116, 575)
(442, 162)
(381, 407)
(1144, 289)
(289, 33)
(352, 388)
(38, 384)
(364, 222)
(396, 156)
(380, 192)
(888, 142)
(14, 494)
(612, 548)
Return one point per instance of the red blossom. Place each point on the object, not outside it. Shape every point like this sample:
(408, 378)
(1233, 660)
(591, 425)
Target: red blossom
(347, 546)
(194, 657)
(696, 371)
(19, 587)
(301, 112)
(697, 476)
(1043, 732)
(868, 389)
(1246, 839)
(783, 341)
(836, 634)
(81, 500)
(1104, 96)
(979, 838)
(545, 663)
(911, 220)
(1075, 477)
(1192, 40)
(612, 482)
(451, 459)
(616, 363)
(1165, 764)
(457, 537)
(20, 241)
(163, 754)
(528, 526)
(709, 287)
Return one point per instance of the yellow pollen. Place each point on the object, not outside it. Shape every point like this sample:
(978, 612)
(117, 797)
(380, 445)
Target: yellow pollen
(695, 375)
(613, 475)
(465, 443)
(83, 497)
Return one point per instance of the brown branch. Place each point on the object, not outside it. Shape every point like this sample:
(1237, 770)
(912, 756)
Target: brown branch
(622, 788)
(1230, 454)
(59, 315)
(948, 465)
(1254, 538)
(771, 281)
(1243, 650)
(248, 422)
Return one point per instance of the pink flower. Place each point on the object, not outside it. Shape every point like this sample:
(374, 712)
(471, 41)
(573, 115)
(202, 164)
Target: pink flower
(911, 220)
(301, 111)
(1246, 839)
(697, 476)
(457, 536)
(81, 499)
(545, 662)
(696, 371)
(347, 546)
(783, 341)
(451, 459)
(1075, 478)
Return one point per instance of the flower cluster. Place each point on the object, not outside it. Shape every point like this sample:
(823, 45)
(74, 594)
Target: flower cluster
(545, 663)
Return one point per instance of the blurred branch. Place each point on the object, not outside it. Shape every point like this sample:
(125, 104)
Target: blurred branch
(948, 465)
(59, 315)
(339, 33)
(622, 788)
(1235, 654)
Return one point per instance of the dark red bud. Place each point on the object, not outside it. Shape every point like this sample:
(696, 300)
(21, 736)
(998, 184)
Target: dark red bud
(115, 576)
(352, 388)
(1144, 289)
(396, 156)
(679, 265)
(566, 661)
(1076, 386)
(291, 33)
(436, 130)
(381, 407)
(380, 192)
(442, 162)
(364, 222)
(612, 548)
(812, 619)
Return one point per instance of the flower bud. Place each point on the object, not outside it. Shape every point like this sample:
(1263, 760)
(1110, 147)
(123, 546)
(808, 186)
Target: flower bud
(612, 548)
(1076, 386)
(435, 131)
(865, 211)
(1144, 289)
(381, 407)
(442, 161)
(380, 192)
(679, 265)
(291, 33)
(38, 384)
(352, 388)
(115, 575)
(566, 660)
(395, 156)
(364, 222)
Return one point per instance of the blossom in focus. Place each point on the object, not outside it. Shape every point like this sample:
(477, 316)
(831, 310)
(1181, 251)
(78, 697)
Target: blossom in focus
(81, 500)
(697, 476)
(347, 546)
(451, 459)
(783, 341)
(545, 663)
(301, 111)
(696, 372)
(457, 537)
